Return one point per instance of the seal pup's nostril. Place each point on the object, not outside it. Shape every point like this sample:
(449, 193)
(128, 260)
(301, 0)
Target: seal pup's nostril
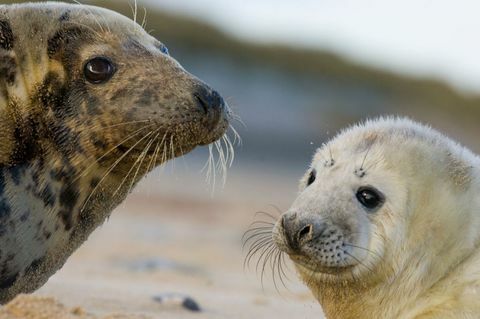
(305, 232)
(289, 227)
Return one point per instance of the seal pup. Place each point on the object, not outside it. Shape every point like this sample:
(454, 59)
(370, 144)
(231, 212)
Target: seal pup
(386, 224)
(89, 103)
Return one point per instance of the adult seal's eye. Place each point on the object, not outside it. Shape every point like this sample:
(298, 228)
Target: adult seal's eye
(369, 197)
(99, 70)
(163, 49)
(312, 177)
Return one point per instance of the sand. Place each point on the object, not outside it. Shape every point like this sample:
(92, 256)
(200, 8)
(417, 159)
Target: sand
(155, 245)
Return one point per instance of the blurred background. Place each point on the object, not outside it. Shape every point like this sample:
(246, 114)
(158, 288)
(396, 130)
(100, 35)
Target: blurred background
(295, 72)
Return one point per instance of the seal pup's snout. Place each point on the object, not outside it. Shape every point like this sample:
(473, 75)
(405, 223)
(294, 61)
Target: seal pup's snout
(298, 231)
(211, 103)
(314, 241)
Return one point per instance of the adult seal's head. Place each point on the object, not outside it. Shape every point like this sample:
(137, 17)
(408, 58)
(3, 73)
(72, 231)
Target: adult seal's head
(387, 224)
(89, 103)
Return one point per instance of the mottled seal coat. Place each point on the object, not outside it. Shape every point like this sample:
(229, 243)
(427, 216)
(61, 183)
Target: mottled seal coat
(387, 224)
(89, 103)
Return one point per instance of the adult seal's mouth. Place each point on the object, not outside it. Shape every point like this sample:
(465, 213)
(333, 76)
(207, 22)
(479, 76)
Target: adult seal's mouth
(88, 106)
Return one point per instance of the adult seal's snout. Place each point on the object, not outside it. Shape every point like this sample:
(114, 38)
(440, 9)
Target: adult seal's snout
(88, 106)
(211, 103)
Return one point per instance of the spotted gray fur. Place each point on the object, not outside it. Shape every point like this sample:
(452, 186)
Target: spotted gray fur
(67, 146)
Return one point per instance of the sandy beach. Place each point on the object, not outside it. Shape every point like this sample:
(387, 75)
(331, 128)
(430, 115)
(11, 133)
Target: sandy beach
(158, 245)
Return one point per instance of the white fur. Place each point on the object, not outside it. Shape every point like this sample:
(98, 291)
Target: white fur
(424, 259)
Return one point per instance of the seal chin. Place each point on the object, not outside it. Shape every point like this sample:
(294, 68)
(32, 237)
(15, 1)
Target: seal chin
(309, 265)
(317, 247)
(218, 131)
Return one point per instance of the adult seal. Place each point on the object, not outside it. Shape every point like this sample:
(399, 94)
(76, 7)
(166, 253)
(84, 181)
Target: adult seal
(387, 224)
(89, 103)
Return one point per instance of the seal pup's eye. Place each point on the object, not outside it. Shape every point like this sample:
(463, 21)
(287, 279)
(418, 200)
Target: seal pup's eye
(370, 197)
(98, 70)
(312, 177)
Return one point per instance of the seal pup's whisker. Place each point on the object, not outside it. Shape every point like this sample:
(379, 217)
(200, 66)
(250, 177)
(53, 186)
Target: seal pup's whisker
(358, 260)
(258, 240)
(259, 245)
(278, 268)
(396, 243)
(262, 232)
(331, 161)
(363, 248)
(262, 223)
(274, 218)
(266, 260)
(366, 153)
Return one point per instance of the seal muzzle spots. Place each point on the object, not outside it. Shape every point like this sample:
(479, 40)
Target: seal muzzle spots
(88, 106)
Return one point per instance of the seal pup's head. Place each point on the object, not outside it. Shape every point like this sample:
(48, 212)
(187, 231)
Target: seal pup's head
(387, 208)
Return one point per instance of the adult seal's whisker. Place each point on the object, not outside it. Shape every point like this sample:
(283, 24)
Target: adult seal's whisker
(82, 123)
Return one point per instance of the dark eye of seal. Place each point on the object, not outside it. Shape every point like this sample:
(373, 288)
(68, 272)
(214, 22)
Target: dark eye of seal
(370, 197)
(99, 70)
(312, 177)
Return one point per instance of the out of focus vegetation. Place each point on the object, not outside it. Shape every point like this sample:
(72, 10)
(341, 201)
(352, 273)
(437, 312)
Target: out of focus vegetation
(198, 36)
(292, 98)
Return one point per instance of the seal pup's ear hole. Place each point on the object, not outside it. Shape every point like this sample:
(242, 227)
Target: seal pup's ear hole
(370, 197)
(312, 177)
(98, 70)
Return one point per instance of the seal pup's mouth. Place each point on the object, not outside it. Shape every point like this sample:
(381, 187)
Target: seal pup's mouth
(318, 246)
(317, 250)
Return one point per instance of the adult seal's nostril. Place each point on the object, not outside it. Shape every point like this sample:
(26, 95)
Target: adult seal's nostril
(210, 102)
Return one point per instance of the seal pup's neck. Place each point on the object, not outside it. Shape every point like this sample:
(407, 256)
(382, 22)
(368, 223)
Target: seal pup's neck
(418, 203)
